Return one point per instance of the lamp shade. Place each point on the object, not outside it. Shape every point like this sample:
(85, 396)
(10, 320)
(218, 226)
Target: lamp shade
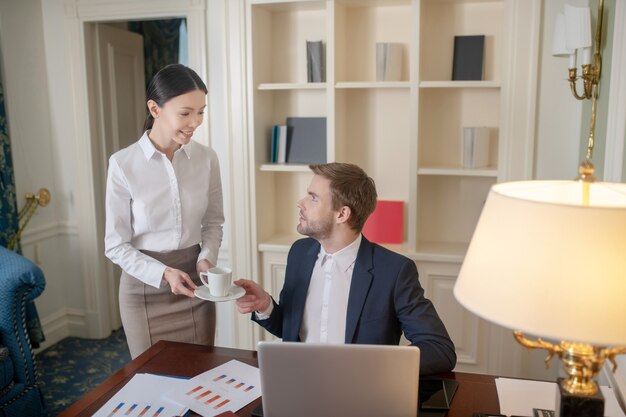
(577, 27)
(542, 262)
(558, 37)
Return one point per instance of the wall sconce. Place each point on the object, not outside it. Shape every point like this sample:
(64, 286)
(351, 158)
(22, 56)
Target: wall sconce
(572, 33)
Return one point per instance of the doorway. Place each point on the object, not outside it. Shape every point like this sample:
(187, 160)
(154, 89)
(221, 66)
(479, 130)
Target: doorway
(121, 57)
(98, 275)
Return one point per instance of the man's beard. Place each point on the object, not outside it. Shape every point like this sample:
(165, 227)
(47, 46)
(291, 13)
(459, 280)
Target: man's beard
(320, 229)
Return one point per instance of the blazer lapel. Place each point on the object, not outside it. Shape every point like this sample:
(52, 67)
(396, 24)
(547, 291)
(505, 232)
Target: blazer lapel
(304, 272)
(361, 282)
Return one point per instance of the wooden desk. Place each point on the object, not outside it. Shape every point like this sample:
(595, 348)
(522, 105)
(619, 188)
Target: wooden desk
(475, 392)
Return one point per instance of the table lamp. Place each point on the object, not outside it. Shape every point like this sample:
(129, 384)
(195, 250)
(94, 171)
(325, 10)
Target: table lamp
(548, 258)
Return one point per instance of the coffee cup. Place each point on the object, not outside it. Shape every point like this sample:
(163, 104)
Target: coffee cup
(217, 280)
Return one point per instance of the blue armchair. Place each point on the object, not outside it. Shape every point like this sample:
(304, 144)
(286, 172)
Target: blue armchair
(20, 281)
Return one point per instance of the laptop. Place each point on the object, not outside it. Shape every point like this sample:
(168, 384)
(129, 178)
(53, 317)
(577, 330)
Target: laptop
(321, 380)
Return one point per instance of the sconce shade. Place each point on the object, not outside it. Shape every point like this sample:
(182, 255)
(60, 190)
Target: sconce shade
(558, 37)
(542, 262)
(577, 27)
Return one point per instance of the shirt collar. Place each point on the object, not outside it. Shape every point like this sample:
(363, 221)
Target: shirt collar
(345, 257)
(148, 149)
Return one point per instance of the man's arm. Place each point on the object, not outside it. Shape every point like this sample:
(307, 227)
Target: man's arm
(265, 311)
(421, 323)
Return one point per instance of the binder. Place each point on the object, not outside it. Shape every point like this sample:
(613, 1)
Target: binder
(315, 62)
(468, 57)
(386, 224)
(306, 139)
(475, 147)
(388, 61)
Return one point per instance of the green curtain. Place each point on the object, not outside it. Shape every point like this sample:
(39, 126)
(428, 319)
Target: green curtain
(8, 202)
(9, 223)
(160, 43)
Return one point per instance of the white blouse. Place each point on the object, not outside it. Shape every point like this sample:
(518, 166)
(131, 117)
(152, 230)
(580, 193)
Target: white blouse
(158, 205)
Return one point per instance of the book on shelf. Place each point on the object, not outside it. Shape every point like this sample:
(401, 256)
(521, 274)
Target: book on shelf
(315, 68)
(388, 61)
(279, 144)
(386, 223)
(306, 140)
(475, 147)
(467, 62)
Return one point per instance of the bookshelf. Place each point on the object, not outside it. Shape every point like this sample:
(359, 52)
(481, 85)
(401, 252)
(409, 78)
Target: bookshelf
(406, 134)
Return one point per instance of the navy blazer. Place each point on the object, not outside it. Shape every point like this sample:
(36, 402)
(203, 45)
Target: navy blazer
(385, 300)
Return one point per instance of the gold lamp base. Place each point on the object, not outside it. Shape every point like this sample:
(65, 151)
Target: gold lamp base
(578, 393)
(578, 405)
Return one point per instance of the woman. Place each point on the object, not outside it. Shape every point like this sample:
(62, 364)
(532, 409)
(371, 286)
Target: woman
(164, 217)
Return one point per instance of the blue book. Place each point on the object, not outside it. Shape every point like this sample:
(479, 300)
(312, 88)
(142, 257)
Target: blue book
(274, 154)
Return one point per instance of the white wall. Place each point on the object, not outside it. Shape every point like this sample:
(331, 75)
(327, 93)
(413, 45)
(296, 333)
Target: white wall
(558, 113)
(41, 159)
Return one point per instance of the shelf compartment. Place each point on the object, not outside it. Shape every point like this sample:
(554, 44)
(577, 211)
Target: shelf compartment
(444, 113)
(449, 208)
(276, 198)
(359, 25)
(273, 107)
(442, 20)
(278, 35)
(376, 138)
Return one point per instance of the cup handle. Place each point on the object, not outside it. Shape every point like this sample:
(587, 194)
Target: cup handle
(203, 274)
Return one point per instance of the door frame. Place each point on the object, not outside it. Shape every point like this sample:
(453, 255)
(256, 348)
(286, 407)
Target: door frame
(88, 178)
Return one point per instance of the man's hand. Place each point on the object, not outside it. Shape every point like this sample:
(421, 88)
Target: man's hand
(179, 282)
(256, 298)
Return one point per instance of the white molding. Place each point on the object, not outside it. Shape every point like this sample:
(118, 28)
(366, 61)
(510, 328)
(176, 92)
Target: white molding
(243, 252)
(63, 323)
(520, 76)
(47, 231)
(616, 119)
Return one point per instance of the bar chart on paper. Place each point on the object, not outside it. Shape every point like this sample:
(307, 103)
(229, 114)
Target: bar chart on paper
(141, 397)
(228, 387)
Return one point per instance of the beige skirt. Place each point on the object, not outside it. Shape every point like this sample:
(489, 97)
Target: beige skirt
(151, 314)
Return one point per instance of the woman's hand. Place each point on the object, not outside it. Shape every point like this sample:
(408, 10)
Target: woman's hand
(203, 265)
(179, 282)
(256, 298)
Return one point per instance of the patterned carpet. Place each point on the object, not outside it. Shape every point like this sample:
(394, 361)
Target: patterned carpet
(74, 366)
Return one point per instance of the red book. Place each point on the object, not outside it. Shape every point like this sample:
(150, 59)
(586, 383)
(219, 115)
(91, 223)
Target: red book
(386, 223)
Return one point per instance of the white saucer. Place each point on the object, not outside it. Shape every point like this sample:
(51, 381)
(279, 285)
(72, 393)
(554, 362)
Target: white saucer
(234, 292)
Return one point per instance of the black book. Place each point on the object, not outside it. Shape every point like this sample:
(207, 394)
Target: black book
(467, 63)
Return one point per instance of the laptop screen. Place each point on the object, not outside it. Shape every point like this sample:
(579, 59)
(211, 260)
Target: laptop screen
(316, 380)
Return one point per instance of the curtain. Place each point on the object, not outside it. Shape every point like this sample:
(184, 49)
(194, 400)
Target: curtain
(8, 202)
(9, 223)
(160, 43)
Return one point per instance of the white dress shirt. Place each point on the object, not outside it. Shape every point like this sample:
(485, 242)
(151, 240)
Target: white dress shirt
(158, 205)
(324, 319)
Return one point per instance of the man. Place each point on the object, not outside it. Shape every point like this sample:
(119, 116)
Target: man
(341, 288)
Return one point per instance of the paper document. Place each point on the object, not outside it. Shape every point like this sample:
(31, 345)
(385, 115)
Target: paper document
(142, 397)
(228, 387)
(519, 397)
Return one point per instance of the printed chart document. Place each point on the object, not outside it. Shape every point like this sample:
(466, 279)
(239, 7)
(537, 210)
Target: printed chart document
(228, 387)
(142, 396)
